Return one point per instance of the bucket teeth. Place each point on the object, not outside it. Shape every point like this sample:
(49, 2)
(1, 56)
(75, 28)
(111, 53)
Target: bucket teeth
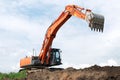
(96, 21)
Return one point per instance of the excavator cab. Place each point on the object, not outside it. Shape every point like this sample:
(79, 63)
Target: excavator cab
(55, 58)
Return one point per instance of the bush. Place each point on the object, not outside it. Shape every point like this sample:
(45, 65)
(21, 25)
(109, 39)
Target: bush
(13, 75)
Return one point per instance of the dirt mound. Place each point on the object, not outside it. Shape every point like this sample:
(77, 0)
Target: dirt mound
(92, 73)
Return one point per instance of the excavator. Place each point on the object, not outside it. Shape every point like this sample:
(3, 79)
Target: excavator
(51, 56)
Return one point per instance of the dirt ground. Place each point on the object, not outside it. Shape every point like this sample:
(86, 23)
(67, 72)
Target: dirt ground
(92, 73)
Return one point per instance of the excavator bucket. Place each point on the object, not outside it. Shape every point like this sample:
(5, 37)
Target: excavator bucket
(96, 21)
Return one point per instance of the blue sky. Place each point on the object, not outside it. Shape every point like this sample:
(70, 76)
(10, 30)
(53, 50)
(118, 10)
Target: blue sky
(23, 24)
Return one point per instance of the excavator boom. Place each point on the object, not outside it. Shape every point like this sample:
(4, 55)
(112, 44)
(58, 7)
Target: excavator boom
(51, 56)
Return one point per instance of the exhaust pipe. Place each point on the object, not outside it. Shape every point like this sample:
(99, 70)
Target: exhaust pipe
(96, 21)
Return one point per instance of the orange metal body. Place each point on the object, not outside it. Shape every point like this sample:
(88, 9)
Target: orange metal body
(25, 61)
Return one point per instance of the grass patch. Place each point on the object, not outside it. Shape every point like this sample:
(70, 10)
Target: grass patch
(13, 75)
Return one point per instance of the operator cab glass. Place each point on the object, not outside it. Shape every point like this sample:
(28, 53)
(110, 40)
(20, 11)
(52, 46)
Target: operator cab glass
(55, 57)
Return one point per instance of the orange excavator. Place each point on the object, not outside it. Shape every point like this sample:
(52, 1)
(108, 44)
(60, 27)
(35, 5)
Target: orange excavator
(51, 56)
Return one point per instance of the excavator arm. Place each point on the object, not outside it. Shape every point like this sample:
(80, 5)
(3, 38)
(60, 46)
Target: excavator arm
(70, 10)
(95, 21)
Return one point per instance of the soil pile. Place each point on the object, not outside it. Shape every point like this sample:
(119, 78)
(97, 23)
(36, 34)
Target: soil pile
(92, 73)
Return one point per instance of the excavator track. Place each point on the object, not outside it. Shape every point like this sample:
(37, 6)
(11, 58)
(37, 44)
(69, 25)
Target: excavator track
(32, 67)
(34, 70)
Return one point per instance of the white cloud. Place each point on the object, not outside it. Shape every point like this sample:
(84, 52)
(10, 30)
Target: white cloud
(15, 68)
(76, 66)
(110, 62)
